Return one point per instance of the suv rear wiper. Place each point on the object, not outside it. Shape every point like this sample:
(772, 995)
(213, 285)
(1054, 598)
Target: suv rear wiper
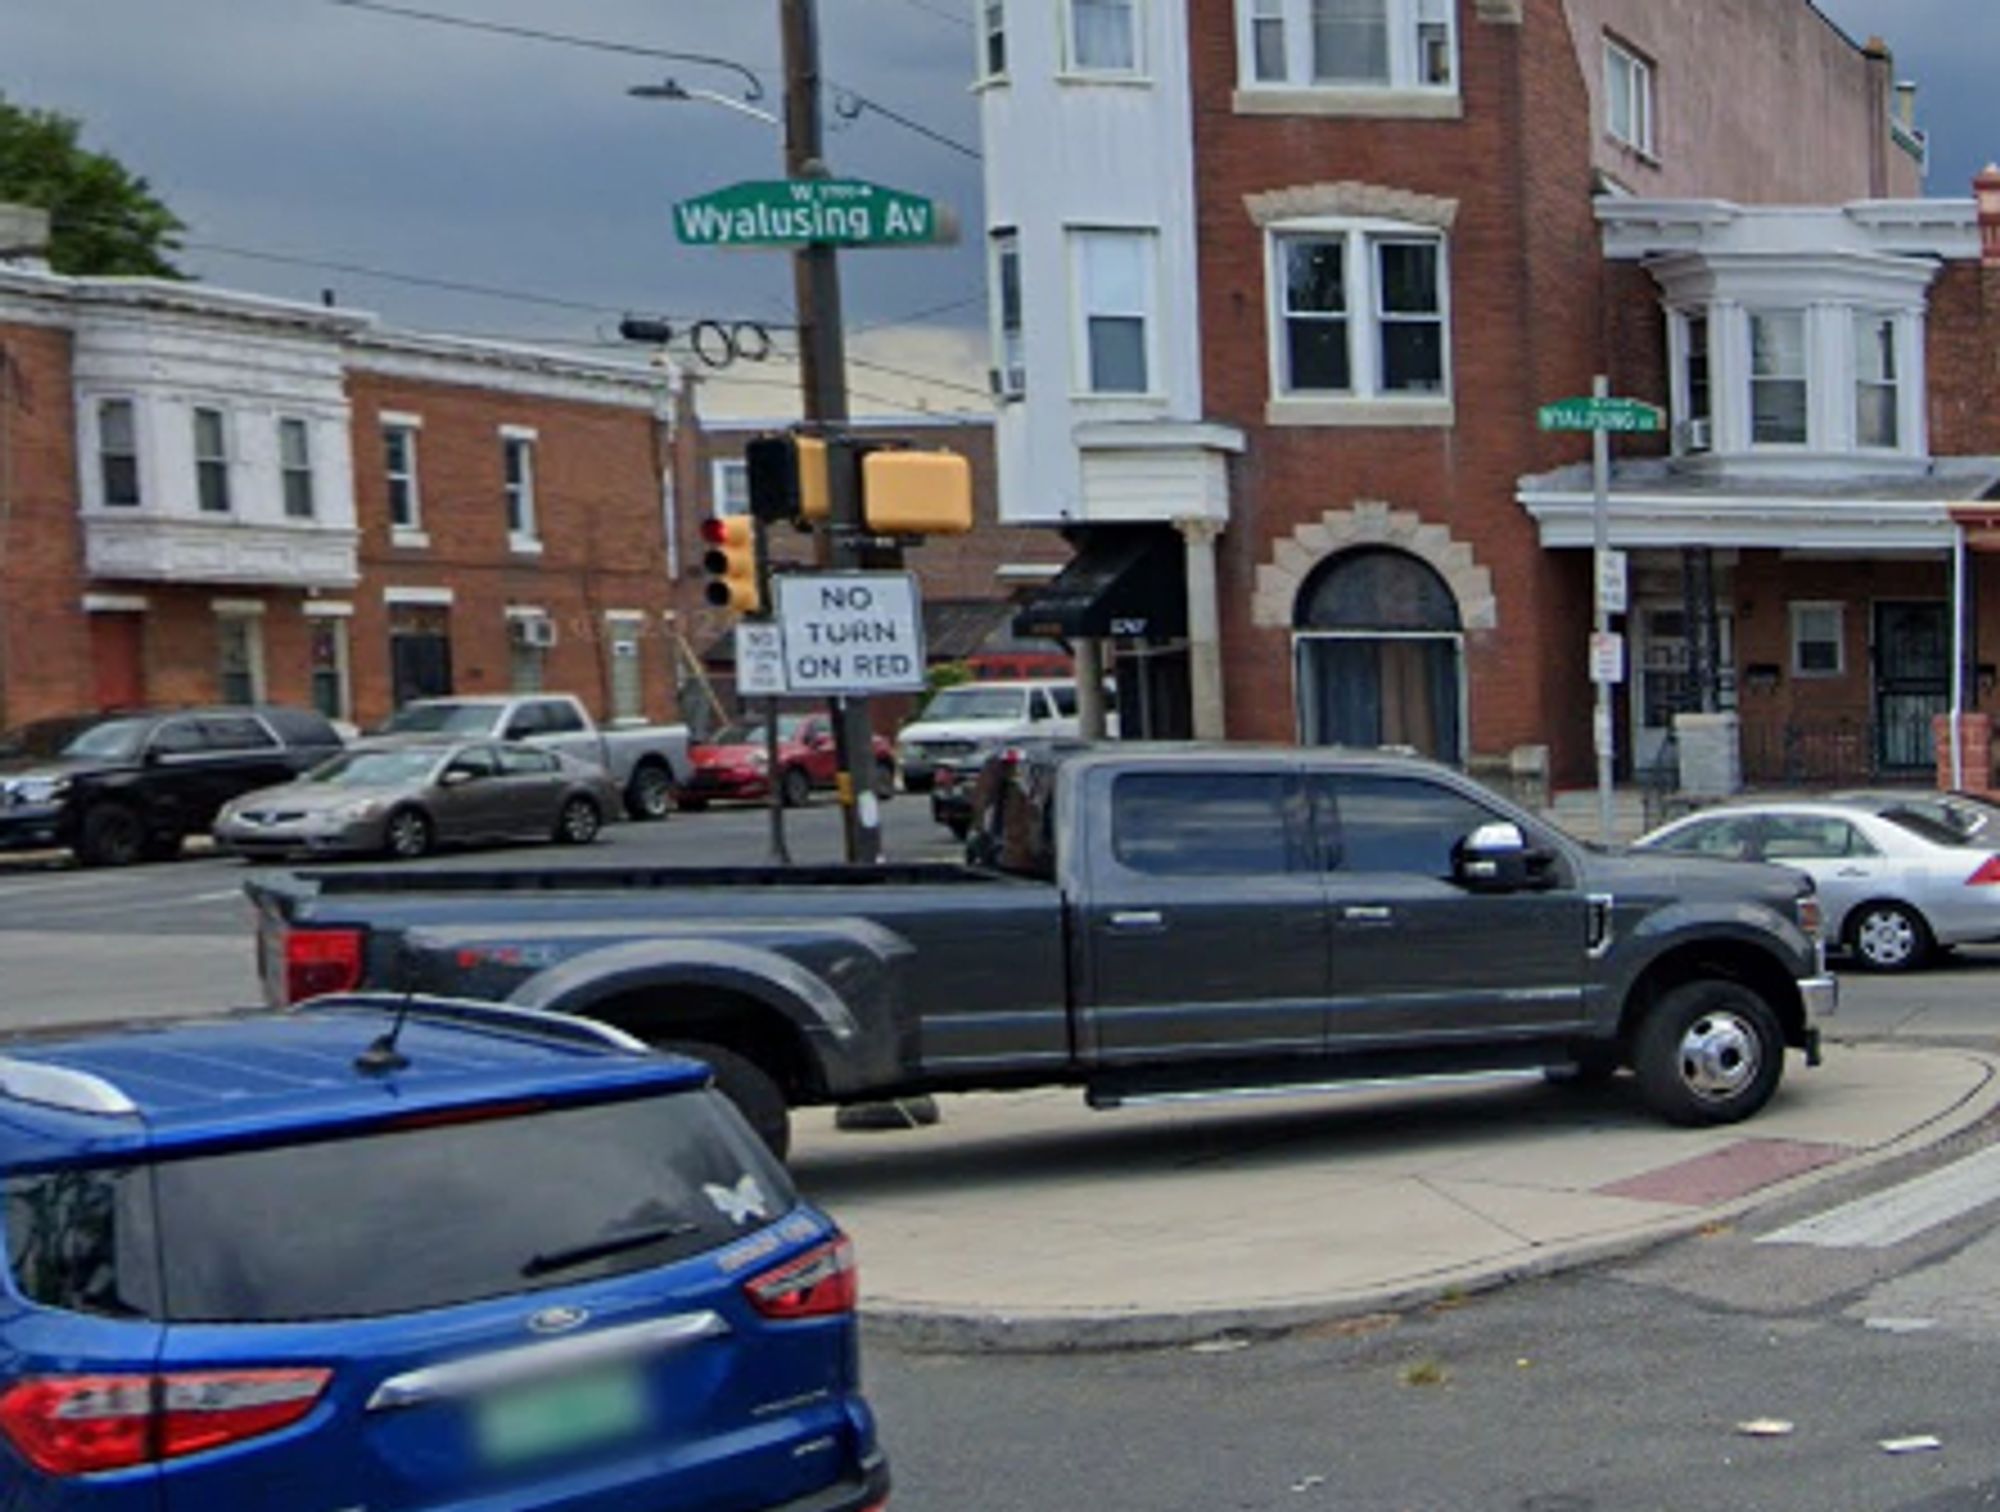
(598, 1249)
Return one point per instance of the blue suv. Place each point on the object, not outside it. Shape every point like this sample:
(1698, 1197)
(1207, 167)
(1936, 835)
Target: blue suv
(388, 1254)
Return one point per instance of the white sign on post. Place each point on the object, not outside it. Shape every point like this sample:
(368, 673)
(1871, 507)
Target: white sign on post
(851, 632)
(760, 660)
(1607, 658)
(1613, 582)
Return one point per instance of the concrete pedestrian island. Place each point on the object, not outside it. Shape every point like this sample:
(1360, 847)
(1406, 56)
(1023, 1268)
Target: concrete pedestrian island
(1027, 1221)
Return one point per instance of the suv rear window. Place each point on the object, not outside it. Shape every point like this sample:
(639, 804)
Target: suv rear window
(397, 1222)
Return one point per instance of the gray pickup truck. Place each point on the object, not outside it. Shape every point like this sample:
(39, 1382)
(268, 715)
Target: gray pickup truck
(1147, 925)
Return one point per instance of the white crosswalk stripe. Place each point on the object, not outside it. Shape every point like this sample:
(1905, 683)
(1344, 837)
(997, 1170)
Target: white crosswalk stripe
(1902, 1212)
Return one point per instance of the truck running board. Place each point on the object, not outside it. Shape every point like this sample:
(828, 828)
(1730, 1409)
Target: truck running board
(1108, 1097)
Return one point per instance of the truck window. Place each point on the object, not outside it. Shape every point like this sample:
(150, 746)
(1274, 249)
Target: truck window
(1204, 824)
(524, 722)
(560, 718)
(1397, 824)
(1065, 701)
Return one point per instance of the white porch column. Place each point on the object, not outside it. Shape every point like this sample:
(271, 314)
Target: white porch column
(1204, 628)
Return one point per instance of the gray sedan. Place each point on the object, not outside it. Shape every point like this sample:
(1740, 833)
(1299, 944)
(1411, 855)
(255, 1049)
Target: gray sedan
(1894, 884)
(404, 799)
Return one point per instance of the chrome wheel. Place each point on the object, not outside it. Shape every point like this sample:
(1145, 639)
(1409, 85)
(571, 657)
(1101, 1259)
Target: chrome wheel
(650, 795)
(408, 835)
(1720, 1055)
(1887, 938)
(579, 822)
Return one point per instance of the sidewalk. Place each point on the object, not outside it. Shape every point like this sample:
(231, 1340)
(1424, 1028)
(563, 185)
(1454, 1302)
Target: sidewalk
(1026, 1221)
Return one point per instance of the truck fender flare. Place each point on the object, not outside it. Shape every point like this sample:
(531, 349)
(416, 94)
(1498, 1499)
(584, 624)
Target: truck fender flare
(597, 976)
(1751, 926)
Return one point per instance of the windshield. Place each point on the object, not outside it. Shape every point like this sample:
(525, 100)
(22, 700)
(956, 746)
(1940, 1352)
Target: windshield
(374, 769)
(443, 719)
(102, 738)
(975, 704)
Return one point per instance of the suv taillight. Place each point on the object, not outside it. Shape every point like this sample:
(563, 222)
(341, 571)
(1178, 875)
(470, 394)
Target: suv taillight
(821, 1283)
(85, 1425)
(319, 961)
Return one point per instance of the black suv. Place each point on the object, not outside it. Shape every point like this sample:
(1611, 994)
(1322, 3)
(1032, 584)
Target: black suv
(119, 788)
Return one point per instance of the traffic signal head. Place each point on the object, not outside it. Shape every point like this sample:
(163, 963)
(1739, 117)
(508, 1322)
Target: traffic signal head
(917, 492)
(787, 479)
(731, 562)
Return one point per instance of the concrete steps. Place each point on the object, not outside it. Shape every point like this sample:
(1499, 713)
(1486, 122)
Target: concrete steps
(1576, 812)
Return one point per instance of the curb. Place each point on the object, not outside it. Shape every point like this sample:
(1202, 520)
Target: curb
(916, 1329)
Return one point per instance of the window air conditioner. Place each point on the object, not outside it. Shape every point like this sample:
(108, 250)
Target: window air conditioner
(1700, 435)
(537, 633)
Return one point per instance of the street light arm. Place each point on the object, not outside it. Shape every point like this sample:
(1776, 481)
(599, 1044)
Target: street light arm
(673, 89)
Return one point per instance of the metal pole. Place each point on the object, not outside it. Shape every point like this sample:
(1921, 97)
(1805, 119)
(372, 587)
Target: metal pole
(774, 800)
(823, 375)
(1958, 660)
(1602, 732)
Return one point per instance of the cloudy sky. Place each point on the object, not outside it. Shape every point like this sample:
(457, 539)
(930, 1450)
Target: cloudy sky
(310, 129)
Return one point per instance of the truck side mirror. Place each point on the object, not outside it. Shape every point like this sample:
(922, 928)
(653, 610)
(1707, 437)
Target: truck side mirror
(1495, 858)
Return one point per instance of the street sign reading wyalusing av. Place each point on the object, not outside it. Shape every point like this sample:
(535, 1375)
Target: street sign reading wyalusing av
(796, 212)
(851, 633)
(1622, 416)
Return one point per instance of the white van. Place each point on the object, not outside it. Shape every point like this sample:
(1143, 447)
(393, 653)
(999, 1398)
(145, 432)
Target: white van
(972, 719)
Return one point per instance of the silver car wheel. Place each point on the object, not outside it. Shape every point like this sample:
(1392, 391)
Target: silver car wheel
(579, 821)
(1720, 1056)
(409, 835)
(1886, 938)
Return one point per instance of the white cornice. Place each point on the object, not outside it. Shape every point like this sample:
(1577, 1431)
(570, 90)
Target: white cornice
(508, 369)
(1641, 228)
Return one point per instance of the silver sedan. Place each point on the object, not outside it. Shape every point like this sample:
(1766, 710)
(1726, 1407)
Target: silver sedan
(404, 799)
(1894, 885)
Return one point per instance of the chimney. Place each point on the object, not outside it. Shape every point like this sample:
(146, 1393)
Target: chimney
(24, 237)
(1906, 104)
(1881, 68)
(1986, 190)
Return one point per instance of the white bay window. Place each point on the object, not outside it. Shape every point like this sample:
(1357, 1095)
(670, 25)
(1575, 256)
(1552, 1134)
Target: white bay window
(1779, 408)
(1877, 389)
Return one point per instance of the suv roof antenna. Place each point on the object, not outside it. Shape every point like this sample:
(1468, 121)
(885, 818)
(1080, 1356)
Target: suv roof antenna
(382, 1057)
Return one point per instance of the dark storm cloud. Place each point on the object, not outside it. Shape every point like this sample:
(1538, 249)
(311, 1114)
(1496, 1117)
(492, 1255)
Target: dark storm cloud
(297, 125)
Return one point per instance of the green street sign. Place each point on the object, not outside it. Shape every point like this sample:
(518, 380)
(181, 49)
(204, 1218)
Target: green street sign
(1627, 416)
(795, 212)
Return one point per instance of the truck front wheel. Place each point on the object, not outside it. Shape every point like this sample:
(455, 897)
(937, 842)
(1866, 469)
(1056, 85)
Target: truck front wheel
(649, 795)
(756, 1093)
(1709, 1052)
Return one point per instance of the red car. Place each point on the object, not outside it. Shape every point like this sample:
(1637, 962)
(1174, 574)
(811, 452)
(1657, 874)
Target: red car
(734, 765)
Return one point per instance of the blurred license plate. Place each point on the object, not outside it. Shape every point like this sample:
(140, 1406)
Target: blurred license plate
(556, 1417)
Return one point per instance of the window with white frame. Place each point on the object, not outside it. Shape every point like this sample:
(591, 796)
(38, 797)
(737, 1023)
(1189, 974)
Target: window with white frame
(993, 38)
(1348, 44)
(1778, 384)
(1877, 391)
(1359, 312)
(518, 458)
(332, 692)
(730, 477)
(1819, 648)
(628, 684)
(1628, 97)
(1102, 36)
(530, 634)
(1114, 282)
(240, 657)
(1010, 372)
(1696, 374)
(399, 466)
(295, 467)
(211, 460)
(118, 452)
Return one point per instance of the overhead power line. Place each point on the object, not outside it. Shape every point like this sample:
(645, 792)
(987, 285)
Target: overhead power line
(954, 17)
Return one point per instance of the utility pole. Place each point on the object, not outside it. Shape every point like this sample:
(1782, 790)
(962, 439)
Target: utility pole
(823, 376)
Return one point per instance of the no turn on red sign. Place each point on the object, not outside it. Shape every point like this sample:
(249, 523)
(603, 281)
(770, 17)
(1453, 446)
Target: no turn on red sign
(851, 633)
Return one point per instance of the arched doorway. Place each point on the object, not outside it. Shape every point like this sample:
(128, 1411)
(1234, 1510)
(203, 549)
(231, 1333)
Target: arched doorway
(1379, 650)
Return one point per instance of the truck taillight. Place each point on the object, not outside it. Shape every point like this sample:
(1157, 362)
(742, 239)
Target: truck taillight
(821, 1283)
(85, 1425)
(1988, 874)
(320, 961)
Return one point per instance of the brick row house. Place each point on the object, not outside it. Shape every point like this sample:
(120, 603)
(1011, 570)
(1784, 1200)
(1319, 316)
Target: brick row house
(1278, 287)
(210, 496)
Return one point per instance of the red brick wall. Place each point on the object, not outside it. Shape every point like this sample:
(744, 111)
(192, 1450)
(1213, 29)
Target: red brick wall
(1963, 361)
(1527, 292)
(598, 509)
(44, 639)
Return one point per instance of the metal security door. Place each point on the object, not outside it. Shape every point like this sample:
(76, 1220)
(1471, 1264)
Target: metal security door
(1912, 683)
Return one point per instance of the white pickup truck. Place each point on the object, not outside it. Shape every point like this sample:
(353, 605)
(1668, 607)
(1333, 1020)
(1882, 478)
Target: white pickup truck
(648, 762)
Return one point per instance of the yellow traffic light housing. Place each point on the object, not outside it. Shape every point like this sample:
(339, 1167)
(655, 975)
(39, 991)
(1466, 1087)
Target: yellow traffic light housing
(917, 492)
(815, 489)
(731, 561)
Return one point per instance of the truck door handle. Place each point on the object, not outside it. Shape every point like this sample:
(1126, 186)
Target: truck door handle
(1138, 921)
(1368, 915)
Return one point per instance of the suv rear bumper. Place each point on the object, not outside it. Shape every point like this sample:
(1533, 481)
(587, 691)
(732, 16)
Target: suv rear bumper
(869, 1491)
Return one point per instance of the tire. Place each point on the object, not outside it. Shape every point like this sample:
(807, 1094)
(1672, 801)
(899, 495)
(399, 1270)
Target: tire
(1889, 937)
(795, 788)
(649, 796)
(112, 835)
(408, 836)
(578, 823)
(756, 1093)
(885, 781)
(1709, 1052)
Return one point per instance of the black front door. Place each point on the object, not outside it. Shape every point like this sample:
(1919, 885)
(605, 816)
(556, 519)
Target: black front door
(421, 666)
(1912, 682)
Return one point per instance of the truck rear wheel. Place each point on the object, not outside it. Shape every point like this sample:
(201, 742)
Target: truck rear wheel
(756, 1093)
(1709, 1052)
(650, 793)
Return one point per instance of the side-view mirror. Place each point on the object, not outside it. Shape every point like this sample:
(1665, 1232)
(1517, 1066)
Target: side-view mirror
(517, 732)
(1495, 858)
(458, 776)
